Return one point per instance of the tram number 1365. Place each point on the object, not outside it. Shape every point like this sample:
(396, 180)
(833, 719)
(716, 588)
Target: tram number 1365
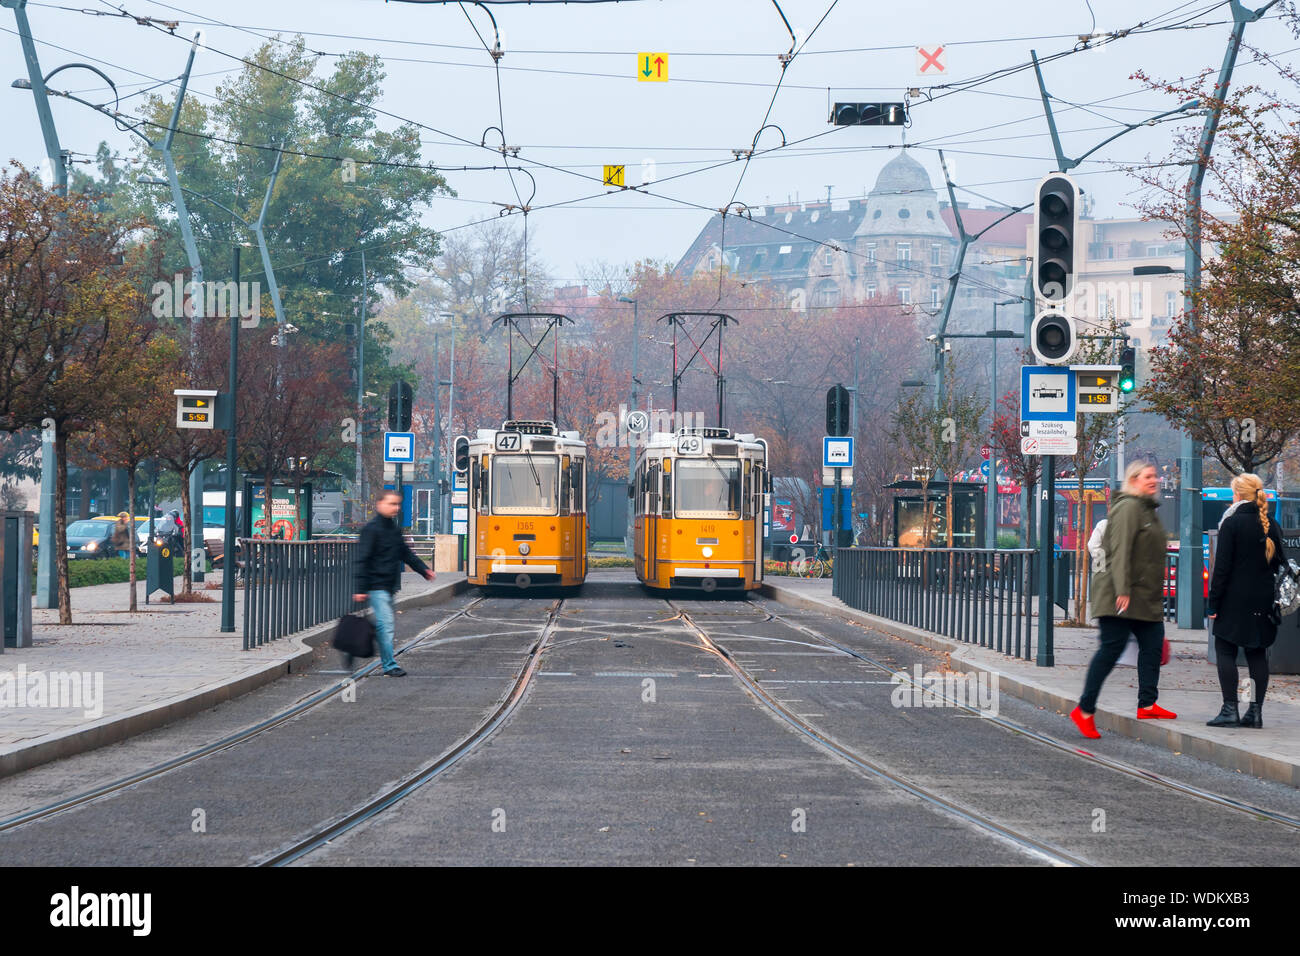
(507, 441)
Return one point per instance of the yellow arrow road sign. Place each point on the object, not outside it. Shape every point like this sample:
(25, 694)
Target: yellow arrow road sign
(652, 67)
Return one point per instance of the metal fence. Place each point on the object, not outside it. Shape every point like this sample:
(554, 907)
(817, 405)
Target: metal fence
(972, 595)
(292, 585)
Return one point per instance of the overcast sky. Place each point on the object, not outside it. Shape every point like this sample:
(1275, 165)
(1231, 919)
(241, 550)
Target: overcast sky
(570, 97)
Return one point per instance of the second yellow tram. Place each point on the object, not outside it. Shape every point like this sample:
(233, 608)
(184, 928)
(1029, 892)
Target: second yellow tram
(527, 506)
(699, 496)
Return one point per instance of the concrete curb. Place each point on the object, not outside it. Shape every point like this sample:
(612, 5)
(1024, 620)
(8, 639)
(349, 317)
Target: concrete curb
(1224, 753)
(143, 719)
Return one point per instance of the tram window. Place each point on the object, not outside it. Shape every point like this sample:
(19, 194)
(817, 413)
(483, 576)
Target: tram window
(708, 486)
(579, 490)
(747, 492)
(566, 486)
(667, 502)
(652, 481)
(484, 484)
(525, 484)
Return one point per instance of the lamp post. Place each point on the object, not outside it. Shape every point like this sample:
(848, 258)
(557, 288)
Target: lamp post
(991, 500)
(631, 448)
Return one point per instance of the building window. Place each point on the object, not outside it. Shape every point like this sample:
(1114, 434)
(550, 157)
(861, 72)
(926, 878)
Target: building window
(1136, 304)
(905, 294)
(936, 251)
(871, 252)
(828, 294)
(1171, 304)
(1153, 250)
(1110, 252)
(871, 290)
(828, 259)
(934, 297)
(1103, 305)
(904, 253)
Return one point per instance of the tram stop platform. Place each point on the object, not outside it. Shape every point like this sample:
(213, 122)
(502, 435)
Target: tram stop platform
(138, 671)
(1189, 686)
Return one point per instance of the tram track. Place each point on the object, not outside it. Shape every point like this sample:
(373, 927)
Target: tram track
(1046, 740)
(409, 783)
(231, 740)
(866, 766)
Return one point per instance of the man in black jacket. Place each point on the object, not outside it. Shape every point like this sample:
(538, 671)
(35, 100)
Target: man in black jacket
(379, 569)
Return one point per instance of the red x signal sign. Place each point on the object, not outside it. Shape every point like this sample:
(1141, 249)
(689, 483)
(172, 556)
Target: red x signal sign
(931, 61)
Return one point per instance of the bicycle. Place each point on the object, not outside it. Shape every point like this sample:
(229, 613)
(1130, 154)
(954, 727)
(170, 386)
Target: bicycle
(818, 566)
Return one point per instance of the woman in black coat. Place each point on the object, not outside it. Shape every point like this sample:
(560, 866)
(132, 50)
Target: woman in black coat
(1241, 597)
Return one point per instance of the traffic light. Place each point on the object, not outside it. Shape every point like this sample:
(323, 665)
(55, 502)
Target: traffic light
(399, 407)
(838, 411)
(1127, 369)
(1053, 338)
(869, 114)
(460, 457)
(1056, 223)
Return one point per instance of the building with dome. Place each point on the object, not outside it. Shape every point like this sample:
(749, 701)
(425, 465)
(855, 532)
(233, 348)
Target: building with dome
(896, 244)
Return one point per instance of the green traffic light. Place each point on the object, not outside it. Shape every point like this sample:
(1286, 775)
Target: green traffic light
(1126, 384)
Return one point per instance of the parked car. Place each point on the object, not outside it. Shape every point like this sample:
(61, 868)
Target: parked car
(91, 538)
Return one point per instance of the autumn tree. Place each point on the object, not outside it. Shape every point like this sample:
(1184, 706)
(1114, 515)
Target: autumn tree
(136, 424)
(1231, 368)
(73, 323)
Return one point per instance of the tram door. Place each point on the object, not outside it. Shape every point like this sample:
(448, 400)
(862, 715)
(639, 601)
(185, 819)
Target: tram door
(652, 521)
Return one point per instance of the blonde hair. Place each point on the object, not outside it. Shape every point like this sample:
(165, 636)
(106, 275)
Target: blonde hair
(1249, 487)
(1134, 469)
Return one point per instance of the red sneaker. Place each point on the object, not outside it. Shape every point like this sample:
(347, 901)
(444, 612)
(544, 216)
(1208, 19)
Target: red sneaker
(1086, 725)
(1154, 711)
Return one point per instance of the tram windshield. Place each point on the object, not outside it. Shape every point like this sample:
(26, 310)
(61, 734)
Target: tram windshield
(707, 486)
(525, 484)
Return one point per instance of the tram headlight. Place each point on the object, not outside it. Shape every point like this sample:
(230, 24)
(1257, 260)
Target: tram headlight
(523, 547)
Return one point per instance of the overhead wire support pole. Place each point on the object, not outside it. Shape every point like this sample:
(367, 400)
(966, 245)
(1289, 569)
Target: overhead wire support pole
(46, 574)
(1190, 595)
(965, 240)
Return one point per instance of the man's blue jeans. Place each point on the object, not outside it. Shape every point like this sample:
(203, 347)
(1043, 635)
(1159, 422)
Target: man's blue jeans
(381, 602)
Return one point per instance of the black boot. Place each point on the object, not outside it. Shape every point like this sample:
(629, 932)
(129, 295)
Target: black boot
(1229, 716)
(1254, 716)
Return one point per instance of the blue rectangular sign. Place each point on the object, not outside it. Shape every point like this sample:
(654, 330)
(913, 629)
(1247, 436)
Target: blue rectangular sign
(1047, 393)
(846, 508)
(837, 452)
(399, 447)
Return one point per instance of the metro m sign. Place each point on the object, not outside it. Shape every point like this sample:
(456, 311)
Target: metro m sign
(931, 61)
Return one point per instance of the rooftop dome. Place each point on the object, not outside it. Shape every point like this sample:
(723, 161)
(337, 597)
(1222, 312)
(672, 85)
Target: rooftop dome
(902, 174)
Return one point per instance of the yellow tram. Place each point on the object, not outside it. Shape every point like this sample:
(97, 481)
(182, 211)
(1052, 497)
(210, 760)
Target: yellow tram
(698, 515)
(527, 506)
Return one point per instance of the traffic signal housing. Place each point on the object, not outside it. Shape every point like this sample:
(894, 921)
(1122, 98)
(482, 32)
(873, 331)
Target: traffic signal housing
(400, 395)
(1053, 338)
(1127, 369)
(460, 456)
(869, 114)
(1056, 224)
(838, 411)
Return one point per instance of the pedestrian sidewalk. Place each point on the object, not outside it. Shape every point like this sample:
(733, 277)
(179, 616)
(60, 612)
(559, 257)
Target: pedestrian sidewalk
(126, 673)
(1189, 686)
